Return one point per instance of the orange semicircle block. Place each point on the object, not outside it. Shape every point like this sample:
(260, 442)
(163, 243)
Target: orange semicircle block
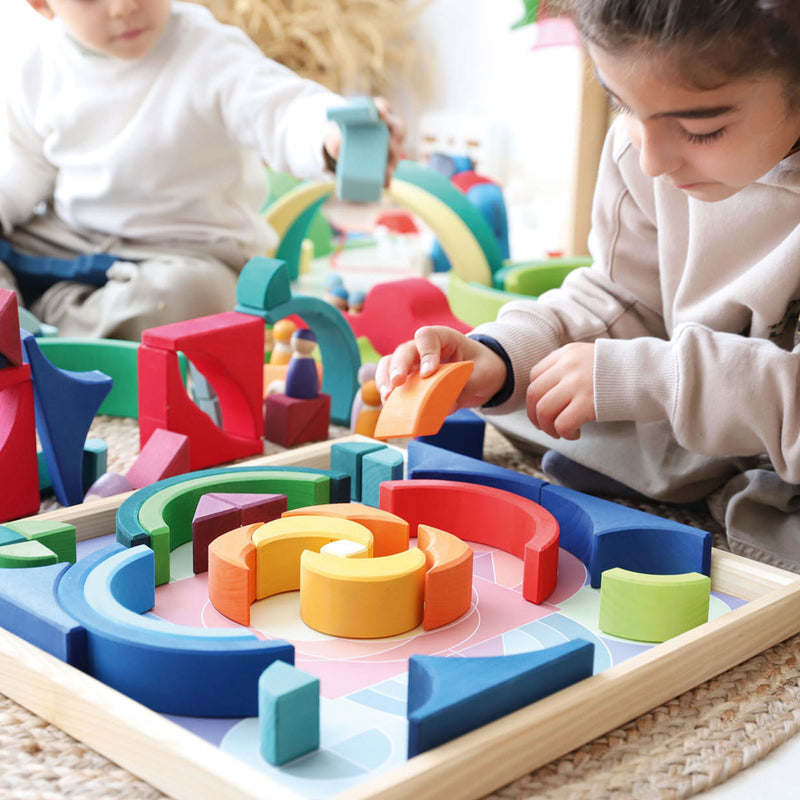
(448, 576)
(420, 406)
(232, 573)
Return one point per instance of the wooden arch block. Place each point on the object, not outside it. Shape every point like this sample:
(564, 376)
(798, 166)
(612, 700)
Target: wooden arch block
(448, 576)
(420, 406)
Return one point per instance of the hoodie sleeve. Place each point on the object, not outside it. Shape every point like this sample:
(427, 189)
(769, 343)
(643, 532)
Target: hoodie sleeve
(617, 297)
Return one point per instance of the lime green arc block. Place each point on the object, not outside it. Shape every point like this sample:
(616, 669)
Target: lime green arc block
(652, 608)
(26, 554)
(59, 538)
(167, 515)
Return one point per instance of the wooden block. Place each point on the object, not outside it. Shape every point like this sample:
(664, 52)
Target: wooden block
(289, 421)
(164, 454)
(484, 515)
(28, 608)
(389, 532)
(604, 535)
(420, 406)
(448, 576)
(66, 403)
(462, 432)
(348, 457)
(220, 512)
(288, 713)
(107, 485)
(228, 349)
(652, 608)
(160, 515)
(19, 472)
(377, 467)
(448, 697)
(232, 573)
(343, 548)
(58, 537)
(10, 345)
(362, 598)
(174, 669)
(95, 461)
(26, 554)
(280, 544)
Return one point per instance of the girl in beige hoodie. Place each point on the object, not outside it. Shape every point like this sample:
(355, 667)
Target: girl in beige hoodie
(670, 365)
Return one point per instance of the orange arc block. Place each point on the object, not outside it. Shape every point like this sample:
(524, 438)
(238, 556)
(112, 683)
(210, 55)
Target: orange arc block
(448, 576)
(420, 406)
(390, 532)
(232, 573)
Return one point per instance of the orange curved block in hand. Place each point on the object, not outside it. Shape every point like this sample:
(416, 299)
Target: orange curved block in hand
(448, 576)
(420, 406)
(232, 573)
(389, 532)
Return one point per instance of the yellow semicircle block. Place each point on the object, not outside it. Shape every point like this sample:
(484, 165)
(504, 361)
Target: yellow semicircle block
(390, 532)
(362, 598)
(280, 543)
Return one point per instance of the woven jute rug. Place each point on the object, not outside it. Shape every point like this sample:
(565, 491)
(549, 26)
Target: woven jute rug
(679, 749)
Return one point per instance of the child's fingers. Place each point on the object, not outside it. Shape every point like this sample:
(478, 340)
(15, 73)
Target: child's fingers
(393, 370)
(428, 343)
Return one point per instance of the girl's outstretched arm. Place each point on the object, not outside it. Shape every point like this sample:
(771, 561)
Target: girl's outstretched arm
(434, 345)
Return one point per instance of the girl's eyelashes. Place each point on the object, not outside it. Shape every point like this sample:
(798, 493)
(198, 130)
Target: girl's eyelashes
(704, 138)
(693, 138)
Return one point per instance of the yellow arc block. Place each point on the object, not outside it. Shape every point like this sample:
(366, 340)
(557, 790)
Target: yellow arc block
(280, 544)
(362, 598)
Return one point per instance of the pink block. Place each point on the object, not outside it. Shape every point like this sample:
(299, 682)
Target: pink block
(164, 454)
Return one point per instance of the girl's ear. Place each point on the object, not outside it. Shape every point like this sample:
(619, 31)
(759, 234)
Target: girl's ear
(41, 7)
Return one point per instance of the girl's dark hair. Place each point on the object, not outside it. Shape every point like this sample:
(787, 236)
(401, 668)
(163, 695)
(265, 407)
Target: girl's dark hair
(714, 40)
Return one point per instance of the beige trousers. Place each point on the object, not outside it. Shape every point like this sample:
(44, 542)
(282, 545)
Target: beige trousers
(150, 284)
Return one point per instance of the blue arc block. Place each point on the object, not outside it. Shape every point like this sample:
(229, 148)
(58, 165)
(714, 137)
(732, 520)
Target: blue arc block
(174, 669)
(29, 609)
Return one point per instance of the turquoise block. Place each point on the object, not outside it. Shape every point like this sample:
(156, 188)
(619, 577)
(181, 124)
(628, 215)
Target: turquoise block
(348, 457)
(377, 467)
(288, 713)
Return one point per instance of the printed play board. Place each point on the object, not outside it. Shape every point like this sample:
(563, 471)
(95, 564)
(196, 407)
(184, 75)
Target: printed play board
(363, 682)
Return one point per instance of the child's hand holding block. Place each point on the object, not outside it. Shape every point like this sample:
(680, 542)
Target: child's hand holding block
(420, 405)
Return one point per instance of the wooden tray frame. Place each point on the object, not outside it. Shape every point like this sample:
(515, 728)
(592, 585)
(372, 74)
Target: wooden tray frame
(186, 767)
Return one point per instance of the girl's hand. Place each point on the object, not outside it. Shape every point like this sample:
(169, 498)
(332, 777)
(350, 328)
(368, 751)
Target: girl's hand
(560, 397)
(397, 134)
(435, 345)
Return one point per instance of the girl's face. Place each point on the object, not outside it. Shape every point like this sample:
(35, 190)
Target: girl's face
(117, 28)
(707, 143)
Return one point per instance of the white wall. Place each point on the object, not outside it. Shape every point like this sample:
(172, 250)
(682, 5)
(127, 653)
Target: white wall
(478, 66)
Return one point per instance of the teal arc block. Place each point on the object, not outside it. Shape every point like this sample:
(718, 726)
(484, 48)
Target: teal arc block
(361, 167)
(288, 713)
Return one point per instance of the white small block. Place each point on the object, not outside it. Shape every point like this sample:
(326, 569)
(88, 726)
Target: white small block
(344, 548)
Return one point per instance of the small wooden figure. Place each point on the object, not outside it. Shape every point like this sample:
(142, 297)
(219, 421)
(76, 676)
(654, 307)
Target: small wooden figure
(282, 337)
(302, 381)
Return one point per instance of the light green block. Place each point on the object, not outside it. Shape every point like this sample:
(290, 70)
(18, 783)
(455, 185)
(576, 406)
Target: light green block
(26, 554)
(652, 608)
(58, 537)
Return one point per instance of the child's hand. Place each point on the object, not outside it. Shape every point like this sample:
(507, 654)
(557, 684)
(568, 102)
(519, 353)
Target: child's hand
(561, 393)
(435, 345)
(397, 134)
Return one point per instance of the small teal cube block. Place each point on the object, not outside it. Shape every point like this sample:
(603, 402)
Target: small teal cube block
(288, 713)
(382, 465)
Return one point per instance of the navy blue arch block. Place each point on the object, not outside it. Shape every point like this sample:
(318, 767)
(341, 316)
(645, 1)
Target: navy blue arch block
(462, 432)
(29, 608)
(427, 462)
(604, 535)
(448, 697)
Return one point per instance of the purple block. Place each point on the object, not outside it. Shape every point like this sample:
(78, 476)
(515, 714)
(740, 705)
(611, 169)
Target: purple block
(107, 485)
